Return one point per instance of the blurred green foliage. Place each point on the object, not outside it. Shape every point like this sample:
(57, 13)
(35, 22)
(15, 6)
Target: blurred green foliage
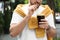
(25, 1)
(7, 19)
(1, 22)
(1, 18)
(57, 5)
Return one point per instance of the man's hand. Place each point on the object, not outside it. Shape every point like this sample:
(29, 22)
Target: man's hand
(43, 24)
(32, 8)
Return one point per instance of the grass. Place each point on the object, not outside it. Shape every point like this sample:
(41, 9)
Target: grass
(57, 38)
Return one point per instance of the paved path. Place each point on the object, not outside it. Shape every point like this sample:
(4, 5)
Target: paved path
(58, 30)
(6, 37)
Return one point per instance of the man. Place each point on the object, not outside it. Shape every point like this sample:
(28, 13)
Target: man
(19, 23)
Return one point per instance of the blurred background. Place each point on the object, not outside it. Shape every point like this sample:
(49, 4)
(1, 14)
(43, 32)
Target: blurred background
(6, 10)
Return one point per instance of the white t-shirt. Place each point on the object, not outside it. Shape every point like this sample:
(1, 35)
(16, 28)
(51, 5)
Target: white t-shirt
(28, 34)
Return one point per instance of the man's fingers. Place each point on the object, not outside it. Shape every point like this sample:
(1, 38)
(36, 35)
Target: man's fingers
(33, 7)
(43, 20)
(41, 26)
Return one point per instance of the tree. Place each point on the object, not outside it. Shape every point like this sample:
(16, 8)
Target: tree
(57, 5)
(51, 3)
